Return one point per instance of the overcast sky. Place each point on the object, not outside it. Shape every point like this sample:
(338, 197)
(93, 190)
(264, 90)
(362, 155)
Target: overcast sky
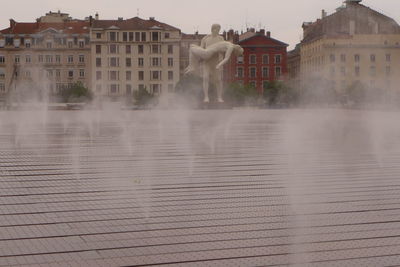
(282, 18)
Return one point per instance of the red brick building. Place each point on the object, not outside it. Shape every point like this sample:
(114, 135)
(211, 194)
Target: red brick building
(264, 59)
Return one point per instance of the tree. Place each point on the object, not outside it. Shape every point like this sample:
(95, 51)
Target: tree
(143, 97)
(279, 93)
(239, 94)
(76, 93)
(189, 90)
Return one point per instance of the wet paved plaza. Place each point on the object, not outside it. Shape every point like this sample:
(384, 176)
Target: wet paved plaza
(200, 188)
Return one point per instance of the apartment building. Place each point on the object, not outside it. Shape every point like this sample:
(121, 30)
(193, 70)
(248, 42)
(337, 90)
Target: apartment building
(354, 45)
(51, 53)
(134, 53)
(264, 59)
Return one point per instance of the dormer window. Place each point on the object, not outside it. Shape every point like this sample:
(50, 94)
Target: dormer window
(28, 43)
(17, 42)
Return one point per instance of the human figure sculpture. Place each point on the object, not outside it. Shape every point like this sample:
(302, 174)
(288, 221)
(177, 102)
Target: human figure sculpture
(213, 53)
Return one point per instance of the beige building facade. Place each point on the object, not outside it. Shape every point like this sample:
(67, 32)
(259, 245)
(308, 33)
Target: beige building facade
(354, 46)
(131, 54)
(46, 56)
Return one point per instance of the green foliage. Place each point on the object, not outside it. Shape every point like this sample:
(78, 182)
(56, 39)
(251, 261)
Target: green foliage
(76, 93)
(143, 97)
(278, 93)
(239, 94)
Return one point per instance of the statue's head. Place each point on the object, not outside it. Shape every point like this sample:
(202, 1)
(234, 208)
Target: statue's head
(215, 28)
(238, 50)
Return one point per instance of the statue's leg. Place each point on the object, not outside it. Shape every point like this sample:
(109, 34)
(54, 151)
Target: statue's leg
(206, 81)
(219, 85)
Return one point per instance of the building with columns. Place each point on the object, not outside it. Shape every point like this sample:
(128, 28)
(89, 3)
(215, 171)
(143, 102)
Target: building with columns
(49, 54)
(353, 47)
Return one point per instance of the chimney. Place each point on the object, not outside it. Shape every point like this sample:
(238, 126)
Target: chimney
(252, 30)
(262, 32)
(12, 23)
(323, 14)
(236, 38)
(96, 16)
(152, 18)
(230, 35)
(120, 18)
(268, 34)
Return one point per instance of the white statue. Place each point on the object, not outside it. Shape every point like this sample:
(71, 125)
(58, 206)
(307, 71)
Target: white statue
(214, 52)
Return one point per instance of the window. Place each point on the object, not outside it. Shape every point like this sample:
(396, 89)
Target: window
(27, 44)
(2, 42)
(155, 88)
(70, 44)
(114, 75)
(98, 62)
(170, 49)
(265, 72)
(239, 60)
(357, 58)
(129, 89)
(155, 49)
(253, 84)
(388, 70)
(155, 75)
(128, 62)
(372, 70)
(28, 59)
(265, 59)
(131, 37)
(155, 36)
(265, 84)
(81, 59)
(253, 59)
(332, 58)
(58, 73)
(343, 58)
(170, 75)
(70, 74)
(372, 57)
(2, 73)
(239, 72)
(70, 59)
(17, 59)
(332, 71)
(113, 48)
(343, 71)
(49, 59)
(166, 36)
(49, 45)
(112, 36)
(278, 59)
(140, 49)
(143, 36)
(357, 70)
(114, 62)
(81, 73)
(98, 75)
(278, 72)
(2, 87)
(98, 35)
(155, 61)
(128, 49)
(388, 58)
(141, 75)
(140, 62)
(128, 75)
(27, 74)
(58, 58)
(170, 62)
(114, 88)
(124, 36)
(40, 58)
(98, 49)
(137, 36)
(2, 60)
(253, 72)
(81, 44)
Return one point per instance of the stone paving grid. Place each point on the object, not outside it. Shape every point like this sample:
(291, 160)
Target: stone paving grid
(203, 189)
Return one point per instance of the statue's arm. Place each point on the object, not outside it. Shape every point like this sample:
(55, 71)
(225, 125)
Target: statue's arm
(228, 55)
(203, 42)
